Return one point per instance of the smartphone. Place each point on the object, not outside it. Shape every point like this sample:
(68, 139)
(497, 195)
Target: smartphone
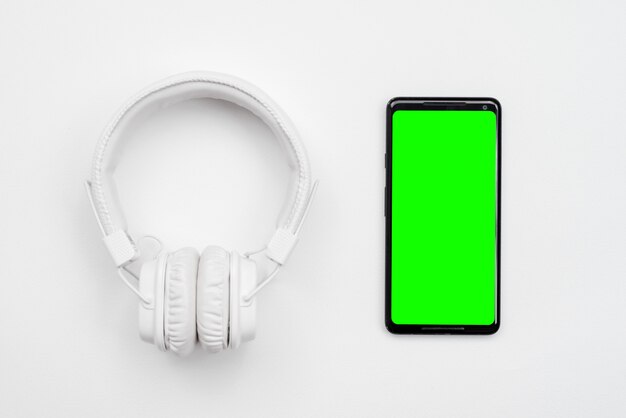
(442, 215)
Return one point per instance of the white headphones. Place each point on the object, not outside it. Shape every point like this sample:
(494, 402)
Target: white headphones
(187, 297)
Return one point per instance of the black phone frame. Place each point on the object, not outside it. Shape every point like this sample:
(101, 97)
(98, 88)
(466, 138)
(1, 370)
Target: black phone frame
(439, 103)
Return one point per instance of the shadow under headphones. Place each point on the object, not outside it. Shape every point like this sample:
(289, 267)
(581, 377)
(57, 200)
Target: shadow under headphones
(184, 296)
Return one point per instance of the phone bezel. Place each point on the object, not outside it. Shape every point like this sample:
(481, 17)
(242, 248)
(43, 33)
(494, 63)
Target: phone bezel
(439, 103)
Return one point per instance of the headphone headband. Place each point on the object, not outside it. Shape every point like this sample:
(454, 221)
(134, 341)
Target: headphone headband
(196, 85)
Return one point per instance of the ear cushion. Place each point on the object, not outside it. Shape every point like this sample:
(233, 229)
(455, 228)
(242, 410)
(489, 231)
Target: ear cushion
(213, 299)
(180, 301)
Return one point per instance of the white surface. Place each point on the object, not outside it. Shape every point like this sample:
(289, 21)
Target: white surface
(70, 345)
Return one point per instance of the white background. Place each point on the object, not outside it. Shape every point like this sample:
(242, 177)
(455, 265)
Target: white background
(208, 173)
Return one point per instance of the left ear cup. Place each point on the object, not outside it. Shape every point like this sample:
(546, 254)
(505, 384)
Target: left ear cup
(152, 287)
(180, 301)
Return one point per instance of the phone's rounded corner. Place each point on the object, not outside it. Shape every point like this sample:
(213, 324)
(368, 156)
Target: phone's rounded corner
(391, 326)
(493, 328)
(392, 102)
(496, 102)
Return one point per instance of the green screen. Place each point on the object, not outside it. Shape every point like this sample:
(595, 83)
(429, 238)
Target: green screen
(443, 233)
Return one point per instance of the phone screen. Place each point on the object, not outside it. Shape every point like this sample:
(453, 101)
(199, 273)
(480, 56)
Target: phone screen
(444, 215)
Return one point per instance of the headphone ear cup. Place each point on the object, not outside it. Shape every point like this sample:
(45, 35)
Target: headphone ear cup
(152, 287)
(243, 280)
(213, 308)
(180, 301)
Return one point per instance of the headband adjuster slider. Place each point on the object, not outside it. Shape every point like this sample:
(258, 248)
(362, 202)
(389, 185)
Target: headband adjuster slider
(281, 245)
(121, 247)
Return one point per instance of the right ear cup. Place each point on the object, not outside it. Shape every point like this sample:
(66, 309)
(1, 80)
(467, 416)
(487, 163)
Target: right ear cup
(213, 299)
(243, 280)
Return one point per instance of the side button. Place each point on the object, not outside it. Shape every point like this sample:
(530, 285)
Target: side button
(385, 197)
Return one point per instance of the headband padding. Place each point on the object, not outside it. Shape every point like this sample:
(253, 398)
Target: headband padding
(213, 299)
(180, 301)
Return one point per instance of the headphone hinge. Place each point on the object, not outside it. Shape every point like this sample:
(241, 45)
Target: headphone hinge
(121, 247)
(281, 245)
